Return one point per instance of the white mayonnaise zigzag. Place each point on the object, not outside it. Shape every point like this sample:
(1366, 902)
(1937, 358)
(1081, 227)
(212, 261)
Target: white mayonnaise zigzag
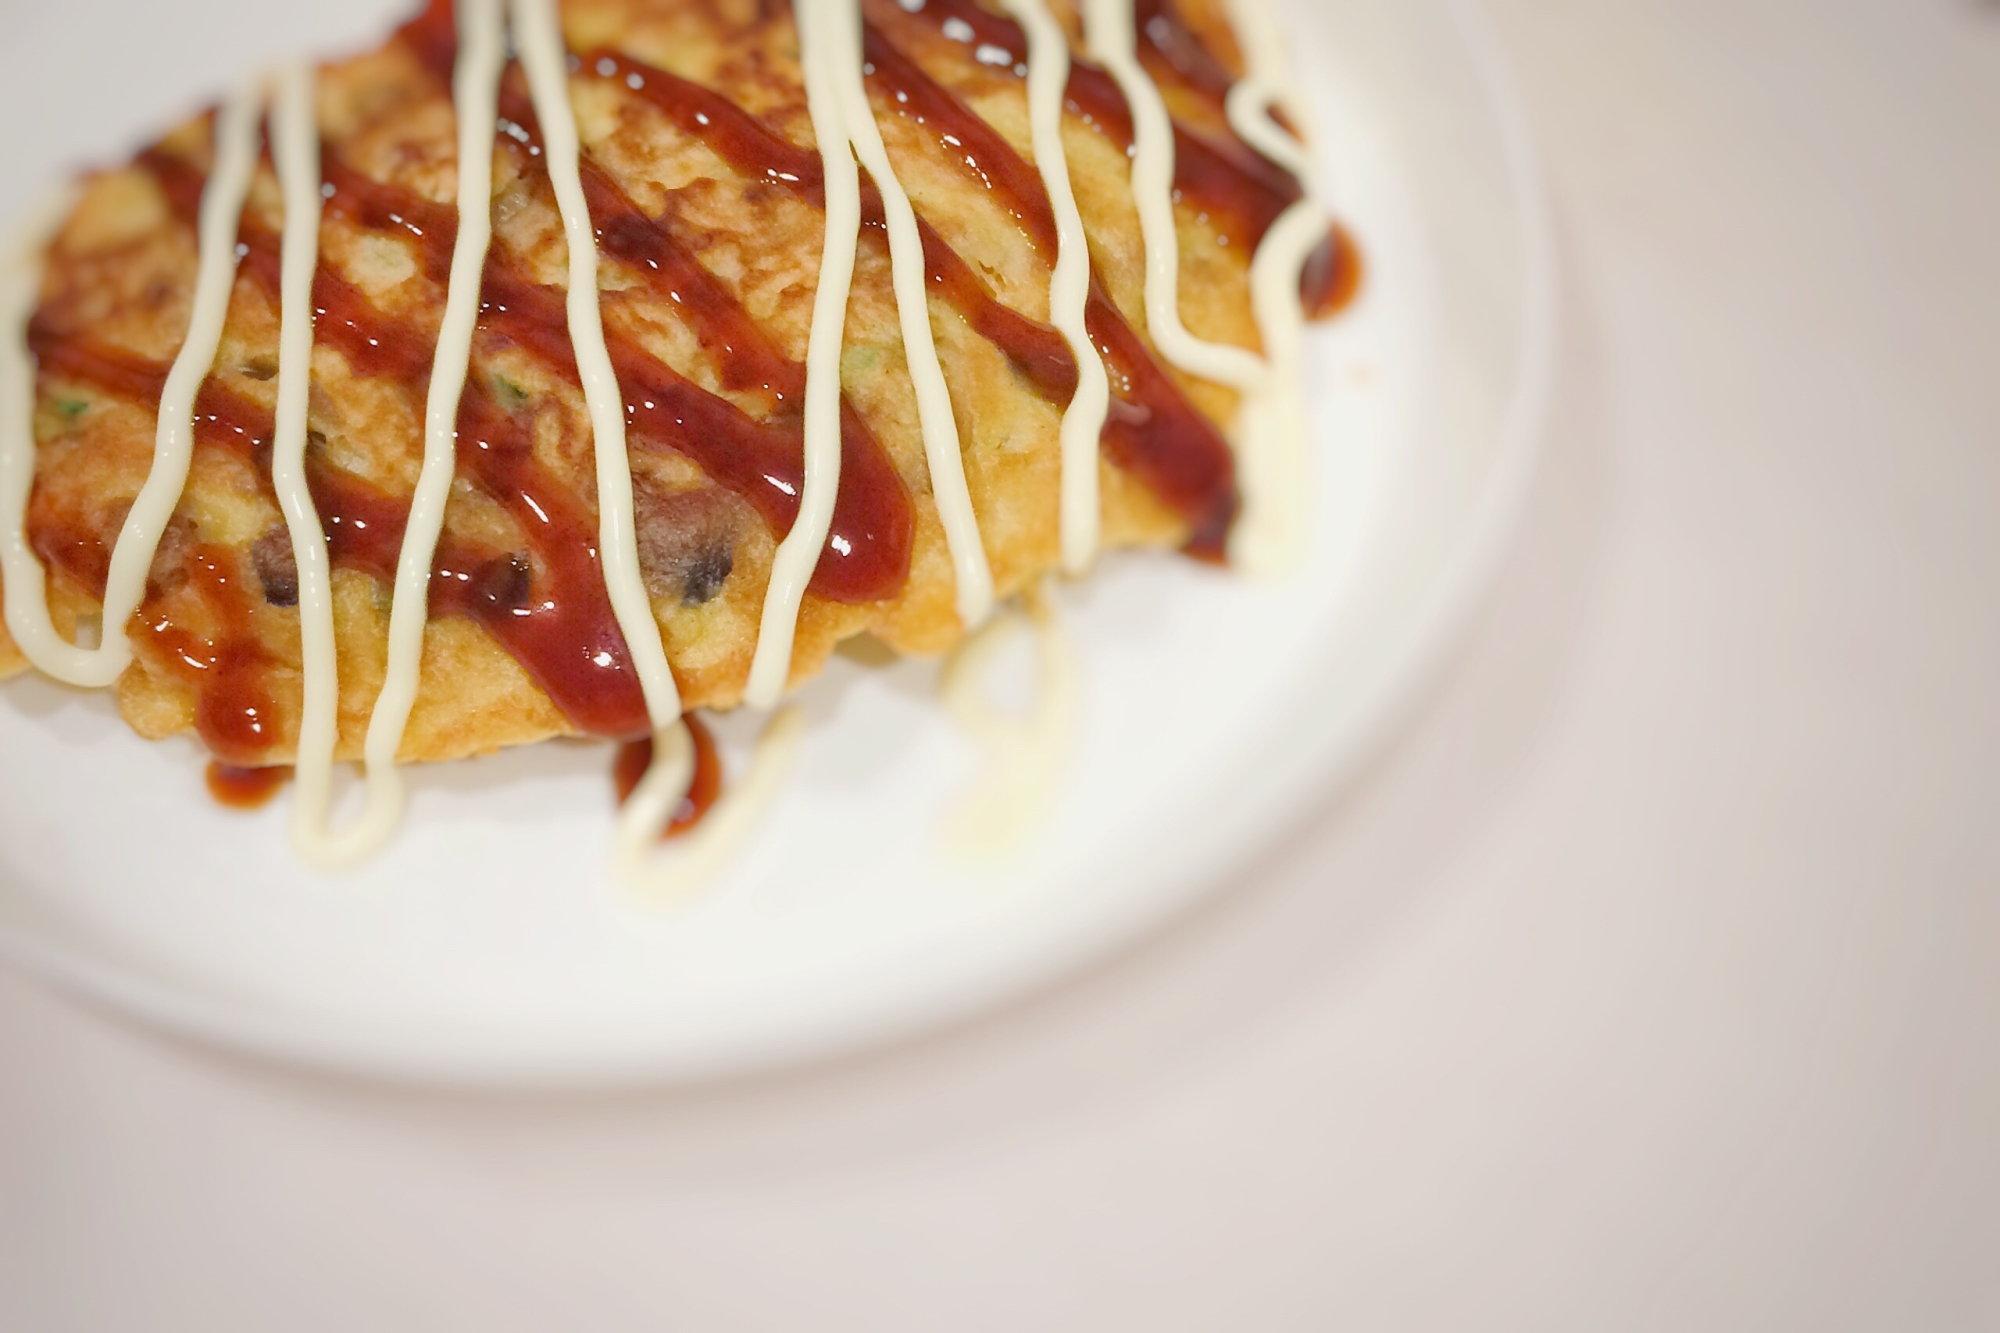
(173, 443)
(907, 275)
(844, 124)
(820, 47)
(1269, 434)
(475, 96)
(646, 814)
(699, 852)
(294, 136)
(1269, 537)
(1069, 288)
(539, 41)
(1110, 32)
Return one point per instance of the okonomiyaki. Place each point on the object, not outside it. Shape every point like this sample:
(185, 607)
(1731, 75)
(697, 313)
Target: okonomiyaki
(561, 371)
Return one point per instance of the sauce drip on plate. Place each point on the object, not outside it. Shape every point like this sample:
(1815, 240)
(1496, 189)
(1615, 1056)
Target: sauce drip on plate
(635, 757)
(244, 788)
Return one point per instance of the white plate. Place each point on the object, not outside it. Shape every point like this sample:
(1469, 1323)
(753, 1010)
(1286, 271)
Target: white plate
(490, 946)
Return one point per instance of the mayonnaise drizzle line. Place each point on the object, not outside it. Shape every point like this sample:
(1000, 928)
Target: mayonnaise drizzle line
(294, 136)
(1269, 537)
(1069, 287)
(1270, 532)
(907, 275)
(539, 40)
(798, 553)
(173, 441)
(708, 846)
(475, 97)
(1111, 35)
(1265, 85)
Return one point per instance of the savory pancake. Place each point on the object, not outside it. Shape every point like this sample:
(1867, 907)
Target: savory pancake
(704, 184)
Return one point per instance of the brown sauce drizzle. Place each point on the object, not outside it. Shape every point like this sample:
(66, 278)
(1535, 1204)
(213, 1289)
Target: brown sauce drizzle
(1159, 437)
(867, 552)
(731, 133)
(1332, 276)
(363, 524)
(379, 206)
(344, 318)
(1037, 351)
(744, 354)
(1167, 46)
(1155, 434)
(547, 606)
(1152, 432)
(867, 555)
(1015, 184)
(347, 321)
(1241, 191)
(635, 757)
(234, 714)
(759, 152)
(244, 788)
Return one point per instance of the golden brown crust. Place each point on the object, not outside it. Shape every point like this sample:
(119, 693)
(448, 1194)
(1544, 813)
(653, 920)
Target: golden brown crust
(123, 266)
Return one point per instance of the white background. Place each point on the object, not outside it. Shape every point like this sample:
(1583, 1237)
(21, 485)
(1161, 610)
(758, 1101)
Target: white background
(1650, 980)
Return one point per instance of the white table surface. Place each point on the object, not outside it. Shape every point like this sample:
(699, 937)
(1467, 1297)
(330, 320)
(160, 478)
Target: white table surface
(1650, 980)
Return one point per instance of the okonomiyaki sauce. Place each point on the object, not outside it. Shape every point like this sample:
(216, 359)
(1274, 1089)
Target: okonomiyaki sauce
(866, 555)
(1332, 276)
(635, 757)
(1152, 431)
(244, 788)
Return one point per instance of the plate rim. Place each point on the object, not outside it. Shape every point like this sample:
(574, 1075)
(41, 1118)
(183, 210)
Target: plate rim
(1316, 772)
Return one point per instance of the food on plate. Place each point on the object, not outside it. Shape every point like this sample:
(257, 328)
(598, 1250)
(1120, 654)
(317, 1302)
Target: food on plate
(436, 401)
